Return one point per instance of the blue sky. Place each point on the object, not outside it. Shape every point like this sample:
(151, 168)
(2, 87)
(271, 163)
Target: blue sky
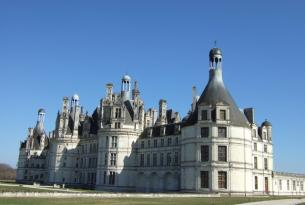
(50, 49)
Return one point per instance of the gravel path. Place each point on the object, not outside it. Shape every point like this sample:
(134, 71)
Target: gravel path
(278, 202)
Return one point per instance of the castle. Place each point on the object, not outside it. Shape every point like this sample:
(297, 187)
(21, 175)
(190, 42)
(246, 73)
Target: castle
(216, 148)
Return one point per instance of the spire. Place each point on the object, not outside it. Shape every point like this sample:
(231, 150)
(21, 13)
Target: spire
(215, 91)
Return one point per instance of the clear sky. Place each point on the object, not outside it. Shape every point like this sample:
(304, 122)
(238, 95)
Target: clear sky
(50, 49)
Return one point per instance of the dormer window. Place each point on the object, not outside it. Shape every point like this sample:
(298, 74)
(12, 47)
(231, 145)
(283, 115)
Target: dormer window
(163, 130)
(222, 115)
(117, 113)
(204, 115)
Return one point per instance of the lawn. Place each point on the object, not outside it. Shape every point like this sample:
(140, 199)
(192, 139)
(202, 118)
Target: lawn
(131, 201)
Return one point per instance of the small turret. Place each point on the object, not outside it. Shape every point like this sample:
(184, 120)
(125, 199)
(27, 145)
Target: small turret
(109, 91)
(215, 58)
(75, 114)
(268, 126)
(135, 91)
(125, 91)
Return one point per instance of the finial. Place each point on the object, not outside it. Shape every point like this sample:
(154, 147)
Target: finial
(215, 43)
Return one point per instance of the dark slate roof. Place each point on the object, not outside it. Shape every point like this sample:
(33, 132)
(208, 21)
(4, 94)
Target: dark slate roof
(170, 129)
(170, 116)
(129, 112)
(94, 125)
(266, 123)
(216, 93)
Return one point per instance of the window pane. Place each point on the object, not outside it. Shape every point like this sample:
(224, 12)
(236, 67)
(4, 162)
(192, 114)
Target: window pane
(204, 178)
(204, 115)
(204, 153)
(222, 132)
(204, 132)
(222, 115)
(222, 180)
(222, 153)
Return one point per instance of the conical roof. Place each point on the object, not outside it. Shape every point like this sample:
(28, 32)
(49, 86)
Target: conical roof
(216, 93)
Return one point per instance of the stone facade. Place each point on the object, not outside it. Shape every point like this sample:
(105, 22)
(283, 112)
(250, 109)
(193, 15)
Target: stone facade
(216, 148)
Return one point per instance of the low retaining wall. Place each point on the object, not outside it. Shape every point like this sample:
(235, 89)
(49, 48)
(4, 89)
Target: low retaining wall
(100, 195)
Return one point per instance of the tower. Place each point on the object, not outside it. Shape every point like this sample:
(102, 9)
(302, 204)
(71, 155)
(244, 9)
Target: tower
(125, 90)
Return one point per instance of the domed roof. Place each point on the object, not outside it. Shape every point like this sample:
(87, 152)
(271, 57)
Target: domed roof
(215, 51)
(266, 123)
(75, 97)
(126, 78)
(41, 110)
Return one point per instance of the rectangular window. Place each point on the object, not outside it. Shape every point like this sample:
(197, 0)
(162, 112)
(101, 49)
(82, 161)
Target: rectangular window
(117, 125)
(255, 146)
(176, 158)
(154, 159)
(107, 142)
(162, 142)
(222, 180)
(288, 185)
(222, 153)
(266, 163)
(265, 149)
(204, 153)
(114, 141)
(222, 132)
(280, 184)
(105, 177)
(255, 162)
(148, 160)
(142, 160)
(204, 115)
(113, 159)
(142, 144)
(148, 143)
(204, 179)
(222, 115)
(168, 159)
(294, 185)
(205, 132)
(112, 178)
(161, 159)
(256, 182)
(106, 159)
(169, 141)
(117, 113)
(302, 186)
(155, 143)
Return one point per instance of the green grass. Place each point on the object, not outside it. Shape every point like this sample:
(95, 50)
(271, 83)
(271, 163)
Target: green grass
(133, 201)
